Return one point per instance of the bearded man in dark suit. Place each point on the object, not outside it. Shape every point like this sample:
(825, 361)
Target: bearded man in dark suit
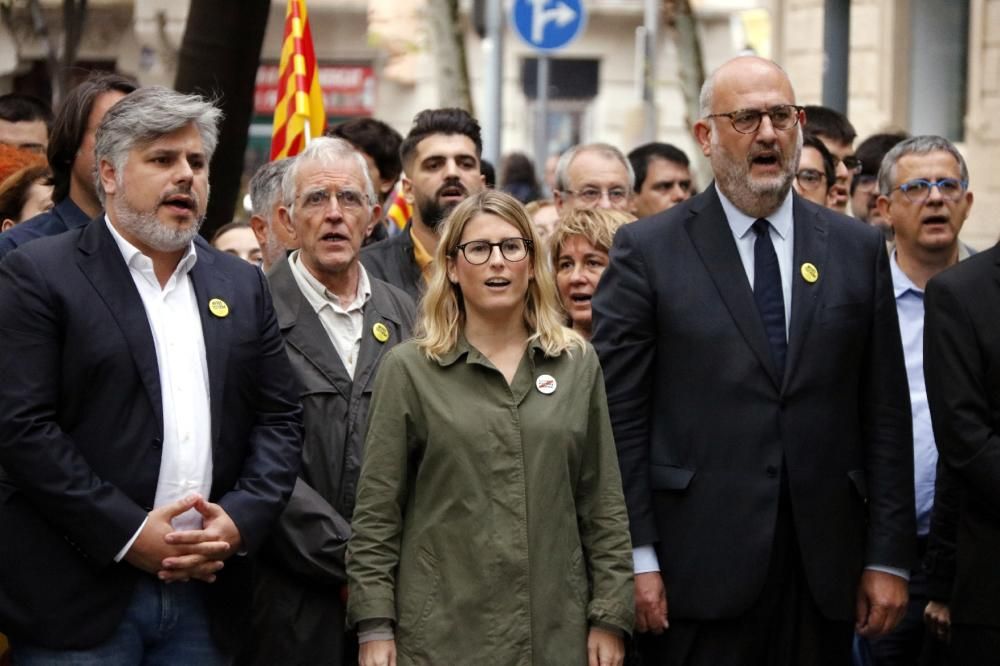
(758, 395)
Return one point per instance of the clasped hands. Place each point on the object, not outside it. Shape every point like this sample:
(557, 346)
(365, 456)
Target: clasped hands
(187, 554)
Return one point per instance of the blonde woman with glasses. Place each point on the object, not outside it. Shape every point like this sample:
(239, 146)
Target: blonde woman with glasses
(490, 525)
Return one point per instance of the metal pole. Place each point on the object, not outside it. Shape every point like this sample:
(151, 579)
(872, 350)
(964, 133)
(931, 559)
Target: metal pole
(651, 23)
(836, 42)
(492, 46)
(542, 113)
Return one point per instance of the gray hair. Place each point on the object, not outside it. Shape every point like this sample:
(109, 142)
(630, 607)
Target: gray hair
(265, 187)
(329, 151)
(602, 149)
(918, 145)
(144, 116)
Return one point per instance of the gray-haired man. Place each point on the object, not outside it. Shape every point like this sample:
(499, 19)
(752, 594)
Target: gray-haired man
(265, 199)
(149, 426)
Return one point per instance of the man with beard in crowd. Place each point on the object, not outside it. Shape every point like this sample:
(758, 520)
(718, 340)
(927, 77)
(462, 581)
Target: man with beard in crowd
(757, 392)
(149, 426)
(440, 157)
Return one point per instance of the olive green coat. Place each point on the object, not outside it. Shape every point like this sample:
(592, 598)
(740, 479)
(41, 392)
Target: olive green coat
(490, 523)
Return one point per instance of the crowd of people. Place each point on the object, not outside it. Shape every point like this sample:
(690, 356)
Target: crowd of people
(600, 418)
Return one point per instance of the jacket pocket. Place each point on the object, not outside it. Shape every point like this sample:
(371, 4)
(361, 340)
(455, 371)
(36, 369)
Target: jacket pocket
(857, 478)
(670, 477)
(843, 312)
(420, 595)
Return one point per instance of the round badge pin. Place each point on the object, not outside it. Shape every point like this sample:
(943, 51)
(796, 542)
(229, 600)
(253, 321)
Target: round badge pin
(546, 384)
(218, 307)
(809, 272)
(380, 331)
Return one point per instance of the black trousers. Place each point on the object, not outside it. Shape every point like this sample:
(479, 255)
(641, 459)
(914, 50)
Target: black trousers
(974, 645)
(784, 627)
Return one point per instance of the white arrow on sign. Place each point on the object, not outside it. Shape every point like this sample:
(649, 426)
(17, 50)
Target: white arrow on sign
(562, 14)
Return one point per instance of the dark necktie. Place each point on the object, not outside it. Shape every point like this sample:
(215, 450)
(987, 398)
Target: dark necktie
(767, 293)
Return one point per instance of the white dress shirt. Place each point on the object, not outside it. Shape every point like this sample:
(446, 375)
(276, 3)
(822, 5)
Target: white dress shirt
(172, 312)
(343, 323)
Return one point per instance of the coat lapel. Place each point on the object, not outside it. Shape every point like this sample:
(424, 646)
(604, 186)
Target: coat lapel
(210, 284)
(713, 240)
(101, 261)
(378, 310)
(303, 331)
(810, 247)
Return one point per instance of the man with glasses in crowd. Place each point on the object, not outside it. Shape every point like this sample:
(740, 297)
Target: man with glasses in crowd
(757, 392)
(924, 197)
(815, 176)
(838, 134)
(593, 175)
(337, 323)
(864, 185)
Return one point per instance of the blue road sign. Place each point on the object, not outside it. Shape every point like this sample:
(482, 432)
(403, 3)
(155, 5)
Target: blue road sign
(548, 25)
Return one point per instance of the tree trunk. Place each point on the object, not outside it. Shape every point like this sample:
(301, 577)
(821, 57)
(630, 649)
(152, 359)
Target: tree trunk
(218, 59)
(690, 64)
(448, 44)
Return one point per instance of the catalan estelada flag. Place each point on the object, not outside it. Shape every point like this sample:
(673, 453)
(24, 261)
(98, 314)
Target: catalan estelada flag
(298, 115)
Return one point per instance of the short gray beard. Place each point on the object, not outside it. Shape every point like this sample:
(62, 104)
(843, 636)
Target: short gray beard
(275, 250)
(754, 198)
(148, 229)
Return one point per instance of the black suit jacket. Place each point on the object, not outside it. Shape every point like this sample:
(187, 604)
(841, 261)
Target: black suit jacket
(962, 367)
(81, 427)
(62, 217)
(704, 424)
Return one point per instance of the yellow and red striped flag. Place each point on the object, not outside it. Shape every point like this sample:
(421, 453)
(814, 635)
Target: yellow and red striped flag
(399, 210)
(299, 114)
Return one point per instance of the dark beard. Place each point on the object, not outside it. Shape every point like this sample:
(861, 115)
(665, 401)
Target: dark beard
(432, 213)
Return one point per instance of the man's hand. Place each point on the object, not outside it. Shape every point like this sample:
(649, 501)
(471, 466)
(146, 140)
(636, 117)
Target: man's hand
(201, 551)
(937, 617)
(150, 549)
(881, 603)
(650, 603)
(604, 648)
(377, 653)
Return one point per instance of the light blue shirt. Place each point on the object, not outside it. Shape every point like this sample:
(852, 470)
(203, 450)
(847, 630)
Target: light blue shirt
(910, 309)
(782, 236)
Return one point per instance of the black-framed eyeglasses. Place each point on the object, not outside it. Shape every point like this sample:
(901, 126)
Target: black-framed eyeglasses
(918, 189)
(478, 252)
(747, 121)
(810, 179)
(865, 182)
(592, 195)
(852, 163)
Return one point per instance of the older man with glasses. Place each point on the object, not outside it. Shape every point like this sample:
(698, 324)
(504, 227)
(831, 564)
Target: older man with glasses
(594, 175)
(757, 393)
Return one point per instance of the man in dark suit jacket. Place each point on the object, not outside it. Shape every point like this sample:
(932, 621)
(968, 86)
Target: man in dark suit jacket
(961, 357)
(758, 396)
(149, 428)
(71, 157)
(338, 323)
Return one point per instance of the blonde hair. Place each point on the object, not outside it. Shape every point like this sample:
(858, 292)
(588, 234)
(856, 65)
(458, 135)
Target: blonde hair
(597, 225)
(442, 309)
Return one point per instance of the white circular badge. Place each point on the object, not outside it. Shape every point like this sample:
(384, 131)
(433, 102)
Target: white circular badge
(546, 384)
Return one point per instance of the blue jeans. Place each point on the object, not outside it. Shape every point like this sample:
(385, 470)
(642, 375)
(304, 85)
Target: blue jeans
(163, 625)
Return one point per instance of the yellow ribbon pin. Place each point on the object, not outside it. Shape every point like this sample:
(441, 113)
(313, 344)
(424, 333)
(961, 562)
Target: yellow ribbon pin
(380, 331)
(809, 272)
(218, 307)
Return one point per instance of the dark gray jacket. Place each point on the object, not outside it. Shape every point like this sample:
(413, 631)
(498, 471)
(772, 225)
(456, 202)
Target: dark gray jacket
(392, 261)
(298, 612)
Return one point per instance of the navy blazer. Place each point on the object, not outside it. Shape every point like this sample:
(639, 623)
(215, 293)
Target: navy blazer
(706, 428)
(81, 426)
(64, 216)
